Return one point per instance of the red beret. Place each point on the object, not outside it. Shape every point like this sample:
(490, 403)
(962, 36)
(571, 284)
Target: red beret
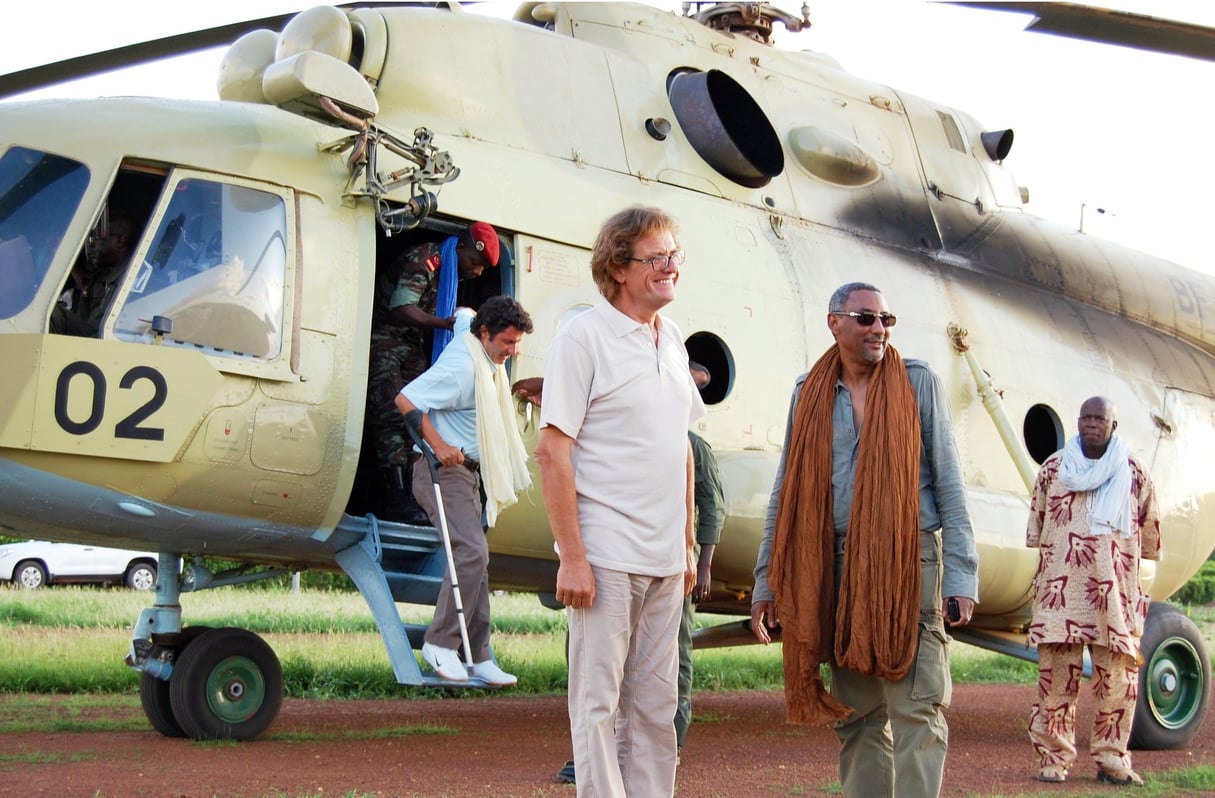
(485, 239)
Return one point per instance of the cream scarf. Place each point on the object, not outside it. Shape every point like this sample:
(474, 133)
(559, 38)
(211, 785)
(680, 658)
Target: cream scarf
(1109, 476)
(503, 457)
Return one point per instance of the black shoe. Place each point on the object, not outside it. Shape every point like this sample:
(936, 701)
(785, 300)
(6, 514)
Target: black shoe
(404, 513)
(402, 507)
(566, 774)
(416, 517)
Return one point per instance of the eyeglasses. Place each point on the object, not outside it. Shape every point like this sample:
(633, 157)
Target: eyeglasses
(866, 318)
(660, 262)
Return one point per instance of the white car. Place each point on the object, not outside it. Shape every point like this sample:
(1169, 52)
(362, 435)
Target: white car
(38, 563)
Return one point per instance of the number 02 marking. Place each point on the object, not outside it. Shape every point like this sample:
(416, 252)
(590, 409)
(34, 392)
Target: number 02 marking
(129, 427)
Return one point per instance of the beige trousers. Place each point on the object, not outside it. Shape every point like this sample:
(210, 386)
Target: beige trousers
(893, 745)
(622, 686)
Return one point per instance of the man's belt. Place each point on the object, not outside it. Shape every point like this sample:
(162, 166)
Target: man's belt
(469, 463)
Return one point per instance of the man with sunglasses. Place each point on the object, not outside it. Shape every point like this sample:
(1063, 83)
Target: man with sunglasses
(867, 536)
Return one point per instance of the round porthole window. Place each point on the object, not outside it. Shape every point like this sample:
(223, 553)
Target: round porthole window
(1043, 432)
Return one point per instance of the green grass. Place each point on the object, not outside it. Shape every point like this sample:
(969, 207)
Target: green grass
(970, 665)
(388, 733)
(1204, 618)
(41, 758)
(73, 640)
(1197, 780)
(79, 713)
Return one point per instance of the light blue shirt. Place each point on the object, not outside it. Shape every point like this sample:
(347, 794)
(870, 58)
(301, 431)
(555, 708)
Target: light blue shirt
(447, 391)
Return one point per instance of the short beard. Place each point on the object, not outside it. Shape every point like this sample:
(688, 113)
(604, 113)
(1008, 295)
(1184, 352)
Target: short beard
(870, 357)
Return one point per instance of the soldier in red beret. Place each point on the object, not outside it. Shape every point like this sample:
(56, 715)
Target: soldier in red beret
(414, 296)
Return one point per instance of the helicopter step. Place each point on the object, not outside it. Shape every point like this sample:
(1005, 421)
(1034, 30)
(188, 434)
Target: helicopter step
(398, 562)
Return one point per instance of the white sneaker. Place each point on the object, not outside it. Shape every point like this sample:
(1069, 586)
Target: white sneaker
(493, 675)
(445, 661)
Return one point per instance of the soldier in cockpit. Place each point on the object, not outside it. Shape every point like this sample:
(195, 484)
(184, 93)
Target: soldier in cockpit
(106, 256)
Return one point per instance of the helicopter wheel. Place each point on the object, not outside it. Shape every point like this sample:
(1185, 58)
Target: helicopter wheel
(1174, 681)
(154, 692)
(227, 685)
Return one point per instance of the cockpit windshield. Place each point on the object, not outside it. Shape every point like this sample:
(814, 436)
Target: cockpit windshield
(39, 195)
(215, 269)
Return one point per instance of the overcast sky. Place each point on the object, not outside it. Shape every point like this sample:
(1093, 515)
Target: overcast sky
(1095, 125)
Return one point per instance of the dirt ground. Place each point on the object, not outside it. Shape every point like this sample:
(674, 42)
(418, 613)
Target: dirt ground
(504, 745)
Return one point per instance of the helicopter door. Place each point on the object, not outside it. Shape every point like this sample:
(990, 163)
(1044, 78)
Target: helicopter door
(213, 275)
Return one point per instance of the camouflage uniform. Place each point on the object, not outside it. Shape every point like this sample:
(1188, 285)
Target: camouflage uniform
(398, 351)
(88, 304)
(709, 516)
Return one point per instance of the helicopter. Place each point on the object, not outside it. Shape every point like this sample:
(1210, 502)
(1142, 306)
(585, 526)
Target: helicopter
(217, 410)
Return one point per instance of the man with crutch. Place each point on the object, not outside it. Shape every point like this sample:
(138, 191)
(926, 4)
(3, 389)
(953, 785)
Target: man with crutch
(468, 422)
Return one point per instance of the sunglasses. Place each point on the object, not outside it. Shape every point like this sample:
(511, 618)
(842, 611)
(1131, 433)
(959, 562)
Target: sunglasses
(866, 318)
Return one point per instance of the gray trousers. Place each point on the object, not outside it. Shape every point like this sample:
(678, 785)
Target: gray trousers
(470, 552)
(894, 742)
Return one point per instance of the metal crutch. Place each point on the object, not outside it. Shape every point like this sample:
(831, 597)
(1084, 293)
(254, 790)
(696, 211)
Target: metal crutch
(413, 423)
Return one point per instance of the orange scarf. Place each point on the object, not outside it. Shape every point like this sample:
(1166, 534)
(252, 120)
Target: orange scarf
(873, 628)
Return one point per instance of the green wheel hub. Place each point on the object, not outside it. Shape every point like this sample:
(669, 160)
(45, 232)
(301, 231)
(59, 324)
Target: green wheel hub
(235, 689)
(1174, 682)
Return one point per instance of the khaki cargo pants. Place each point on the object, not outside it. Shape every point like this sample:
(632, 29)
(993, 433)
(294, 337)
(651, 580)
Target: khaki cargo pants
(894, 742)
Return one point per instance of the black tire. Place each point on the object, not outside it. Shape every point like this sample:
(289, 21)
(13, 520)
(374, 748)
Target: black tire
(228, 684)
(154, 692)
(140, 576)
(30, 574)
(1174, 681)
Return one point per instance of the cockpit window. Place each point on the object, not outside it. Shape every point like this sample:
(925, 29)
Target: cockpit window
(39, 194)
(213, 276)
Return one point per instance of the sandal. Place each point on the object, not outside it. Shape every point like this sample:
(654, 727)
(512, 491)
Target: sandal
(1123, 778)
(1055, 774)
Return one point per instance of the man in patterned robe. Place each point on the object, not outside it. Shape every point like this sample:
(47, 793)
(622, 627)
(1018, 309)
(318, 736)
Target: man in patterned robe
(1093, 515)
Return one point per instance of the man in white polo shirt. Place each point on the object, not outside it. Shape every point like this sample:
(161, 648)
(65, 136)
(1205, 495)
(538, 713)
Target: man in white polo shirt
(616, 468)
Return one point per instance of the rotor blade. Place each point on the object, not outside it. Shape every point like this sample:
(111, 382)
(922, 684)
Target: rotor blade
(132, 55)
(1105, 26)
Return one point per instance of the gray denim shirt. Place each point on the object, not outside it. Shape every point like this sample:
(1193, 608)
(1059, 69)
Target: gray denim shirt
(942, 487)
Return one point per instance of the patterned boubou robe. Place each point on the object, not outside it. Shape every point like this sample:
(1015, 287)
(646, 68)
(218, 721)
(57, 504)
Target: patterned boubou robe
(1086, 593)
(1087, 586)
